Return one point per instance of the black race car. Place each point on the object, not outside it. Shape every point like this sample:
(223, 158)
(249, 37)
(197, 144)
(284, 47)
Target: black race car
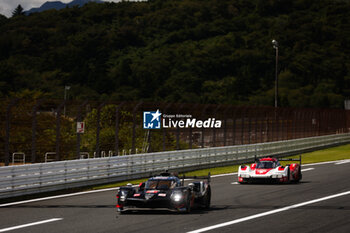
(165, 191)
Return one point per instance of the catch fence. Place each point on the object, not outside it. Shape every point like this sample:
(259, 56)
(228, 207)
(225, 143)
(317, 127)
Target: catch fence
(44, 177)
(46, 130)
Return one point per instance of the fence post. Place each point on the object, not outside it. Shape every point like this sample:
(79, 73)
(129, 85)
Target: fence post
(214, 129)
(116, 145)
(202, 138)
(178, 130)
(320, 120)
(262, 124)
(163, 130)
(295, 124)
(277, 124)
(225, 125)
(249, 126)
(190, 137)
(242, 127)
(191, 130)
(98, 128)
(282, 130)
(34, 126)
(287, 115)
(234, 126)
(133, 149)
(78, 134)
(58, 130)
(177, 138)
(149, 142)
(257, 125)
(7, 126)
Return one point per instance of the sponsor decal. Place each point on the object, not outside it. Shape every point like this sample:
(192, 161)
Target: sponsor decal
(262, 171)
(152, 191)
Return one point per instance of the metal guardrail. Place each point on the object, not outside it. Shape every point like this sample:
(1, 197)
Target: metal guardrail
(44, 177)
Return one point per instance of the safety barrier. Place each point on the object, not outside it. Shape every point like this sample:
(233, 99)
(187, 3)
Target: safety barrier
(45, 177)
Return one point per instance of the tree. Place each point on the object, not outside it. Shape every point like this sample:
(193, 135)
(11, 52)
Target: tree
(18, 11)
(214, 51)
(2, 19)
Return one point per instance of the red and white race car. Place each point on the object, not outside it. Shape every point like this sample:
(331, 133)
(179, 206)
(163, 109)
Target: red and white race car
(270, 170)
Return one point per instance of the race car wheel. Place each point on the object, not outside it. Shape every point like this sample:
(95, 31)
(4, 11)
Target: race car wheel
(299, 176)
(188, 204)
(207, 198)
(121, 211)
(288, 174)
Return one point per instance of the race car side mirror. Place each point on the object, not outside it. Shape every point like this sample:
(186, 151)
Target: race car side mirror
(191, 186)
(142, 186)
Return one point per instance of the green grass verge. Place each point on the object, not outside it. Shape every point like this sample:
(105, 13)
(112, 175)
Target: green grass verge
(335, 153)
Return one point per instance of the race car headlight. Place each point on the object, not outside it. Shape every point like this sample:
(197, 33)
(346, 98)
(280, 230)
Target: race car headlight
(123, 195)
(176, 197)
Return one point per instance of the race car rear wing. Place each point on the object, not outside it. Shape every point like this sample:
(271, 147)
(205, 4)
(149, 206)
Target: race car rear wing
(256, 159)
(289, 159)
(196, 178)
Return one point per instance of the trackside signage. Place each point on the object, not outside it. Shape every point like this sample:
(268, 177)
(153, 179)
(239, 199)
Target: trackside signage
(156, 120)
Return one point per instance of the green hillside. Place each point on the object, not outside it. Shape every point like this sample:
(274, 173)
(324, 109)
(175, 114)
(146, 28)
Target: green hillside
(206, 51)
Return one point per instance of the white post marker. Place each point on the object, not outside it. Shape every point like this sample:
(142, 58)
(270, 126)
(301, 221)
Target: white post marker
(268, 213)
(80, 127)
(30, 224)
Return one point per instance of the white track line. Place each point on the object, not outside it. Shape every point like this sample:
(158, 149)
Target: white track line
(307, 169)
(268, 213)
(321, 163)
(30, 224)
(227, 174)
(57, 196)
(342, 162)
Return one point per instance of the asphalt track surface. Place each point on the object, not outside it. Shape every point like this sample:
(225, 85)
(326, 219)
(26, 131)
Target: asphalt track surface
(96, 212)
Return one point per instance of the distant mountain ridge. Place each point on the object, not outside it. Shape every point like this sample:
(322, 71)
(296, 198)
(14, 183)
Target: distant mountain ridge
(60, 5)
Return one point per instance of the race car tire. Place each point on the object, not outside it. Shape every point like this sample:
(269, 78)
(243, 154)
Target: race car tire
(299, 176)
(288, 174)
(244, 181)
(188, 204)
(121, 212)
(207, 199)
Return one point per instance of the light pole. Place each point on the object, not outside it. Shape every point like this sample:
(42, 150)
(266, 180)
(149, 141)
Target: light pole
(66, 88)
(275, 46)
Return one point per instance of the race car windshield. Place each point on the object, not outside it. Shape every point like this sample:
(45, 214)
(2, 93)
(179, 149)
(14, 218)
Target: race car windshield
(159, 184)
(266, 164)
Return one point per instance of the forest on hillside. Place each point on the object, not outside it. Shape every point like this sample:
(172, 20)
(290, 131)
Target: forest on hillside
(194, 51)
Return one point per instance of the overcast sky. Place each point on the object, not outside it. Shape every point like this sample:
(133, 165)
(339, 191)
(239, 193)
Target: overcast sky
(7, 6)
